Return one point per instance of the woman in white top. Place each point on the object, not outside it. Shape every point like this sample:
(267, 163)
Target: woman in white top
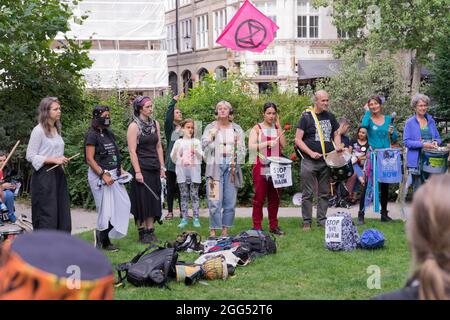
(187, 156)
(224, 152)
(50, 203)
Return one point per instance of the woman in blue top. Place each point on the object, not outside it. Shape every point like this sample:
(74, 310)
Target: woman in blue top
(420, 132)
(380, 133)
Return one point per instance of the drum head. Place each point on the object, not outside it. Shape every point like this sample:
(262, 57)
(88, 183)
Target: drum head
(337, 159)
(280, 160)
(297, 199)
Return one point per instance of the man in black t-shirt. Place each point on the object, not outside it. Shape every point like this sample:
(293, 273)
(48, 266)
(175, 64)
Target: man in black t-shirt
(313, 167)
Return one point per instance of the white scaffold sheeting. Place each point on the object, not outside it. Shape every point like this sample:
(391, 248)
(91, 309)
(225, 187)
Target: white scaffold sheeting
(127, 69)
(119, 20)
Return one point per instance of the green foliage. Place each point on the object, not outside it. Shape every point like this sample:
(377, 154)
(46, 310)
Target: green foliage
(400, 25)
(301, 269)
(31, 70)
(351, 88)
(440, 80)
(200, 105)
(391, 25)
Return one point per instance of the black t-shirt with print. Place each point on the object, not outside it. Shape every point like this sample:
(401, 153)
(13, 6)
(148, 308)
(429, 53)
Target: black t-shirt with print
(105, 149)
(311, 138)
(358, 148)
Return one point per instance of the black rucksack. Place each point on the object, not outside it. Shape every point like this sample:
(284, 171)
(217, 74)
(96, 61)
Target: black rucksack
(257, 242)
(149, 269)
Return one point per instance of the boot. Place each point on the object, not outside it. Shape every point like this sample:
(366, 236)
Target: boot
(384, 216)
(106, 242)
(97, 239)
(360, 218)
(151, 235)
(141, 232)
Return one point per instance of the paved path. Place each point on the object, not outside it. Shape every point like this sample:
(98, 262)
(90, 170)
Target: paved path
(84, 220)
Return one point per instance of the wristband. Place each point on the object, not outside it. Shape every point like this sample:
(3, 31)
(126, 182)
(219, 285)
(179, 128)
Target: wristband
(101, 173)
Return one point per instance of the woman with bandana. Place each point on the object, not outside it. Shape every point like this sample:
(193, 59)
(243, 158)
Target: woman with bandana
(111, 198)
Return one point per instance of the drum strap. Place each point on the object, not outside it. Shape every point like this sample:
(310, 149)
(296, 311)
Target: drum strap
(319, 130)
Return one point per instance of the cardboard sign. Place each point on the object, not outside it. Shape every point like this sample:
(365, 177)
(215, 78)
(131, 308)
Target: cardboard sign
(281, 175)
(213, 190)
(333, 229)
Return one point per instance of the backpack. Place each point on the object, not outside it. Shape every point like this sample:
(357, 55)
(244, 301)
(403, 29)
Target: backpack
(188, 241)
(257, 242)
(149, 269)
(341, 232)
(372, 239)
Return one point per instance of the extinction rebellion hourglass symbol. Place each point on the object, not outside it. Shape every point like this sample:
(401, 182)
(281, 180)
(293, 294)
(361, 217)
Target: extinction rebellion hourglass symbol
(250, 34)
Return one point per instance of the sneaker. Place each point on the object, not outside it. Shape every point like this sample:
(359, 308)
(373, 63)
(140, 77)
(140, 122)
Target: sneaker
(277, 231)
(306, 226)
(110, 247)
(183, 223)
(12, 217)
(196, 223)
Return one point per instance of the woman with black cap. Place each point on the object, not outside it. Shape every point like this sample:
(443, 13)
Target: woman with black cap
(111, 199)
(50, 203)
(146, 154)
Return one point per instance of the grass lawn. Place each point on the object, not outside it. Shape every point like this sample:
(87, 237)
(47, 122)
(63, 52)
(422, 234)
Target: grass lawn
(302, 268)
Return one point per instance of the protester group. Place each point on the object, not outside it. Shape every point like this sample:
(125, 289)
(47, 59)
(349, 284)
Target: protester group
(222, 147)
(320, 140)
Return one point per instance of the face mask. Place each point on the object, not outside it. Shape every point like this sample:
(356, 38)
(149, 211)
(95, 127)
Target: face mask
(104, 122)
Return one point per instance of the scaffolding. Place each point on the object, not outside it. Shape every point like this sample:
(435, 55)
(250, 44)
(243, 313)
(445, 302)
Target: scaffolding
(126, 24)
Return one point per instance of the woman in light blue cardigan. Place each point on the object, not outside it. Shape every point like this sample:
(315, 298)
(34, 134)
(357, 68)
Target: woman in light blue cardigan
(380, 133)
(420, 132)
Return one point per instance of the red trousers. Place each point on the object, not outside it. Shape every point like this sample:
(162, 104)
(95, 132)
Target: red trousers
(262, 189)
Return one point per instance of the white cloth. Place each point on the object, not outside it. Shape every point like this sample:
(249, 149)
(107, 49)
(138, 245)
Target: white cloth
(187, 155)
(40, 147)
(229, 255)
(113, 205)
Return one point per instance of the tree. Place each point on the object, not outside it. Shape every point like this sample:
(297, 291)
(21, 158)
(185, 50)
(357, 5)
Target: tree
(350, 89)
(440, 79)
(412, 26)
(31, 69)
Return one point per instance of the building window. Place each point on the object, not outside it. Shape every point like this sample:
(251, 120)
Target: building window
(307, 20)
(188, 83)
(268, 68)
(342, 34)
(268, 8)
(221, 73)
(184, 2)
(186, 35)
(202, 74)
(171, 42)
(201, 39)
(266, 87)
(170, 5)
(173, 82)
(219, 22)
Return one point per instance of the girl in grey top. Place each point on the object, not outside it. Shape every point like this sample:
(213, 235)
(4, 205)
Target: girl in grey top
(50, 204)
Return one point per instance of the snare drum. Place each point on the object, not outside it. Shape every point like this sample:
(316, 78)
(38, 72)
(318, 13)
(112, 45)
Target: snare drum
(389, 165)
(435, 160)
(280, 171)
(9, 232)
(340, 164)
